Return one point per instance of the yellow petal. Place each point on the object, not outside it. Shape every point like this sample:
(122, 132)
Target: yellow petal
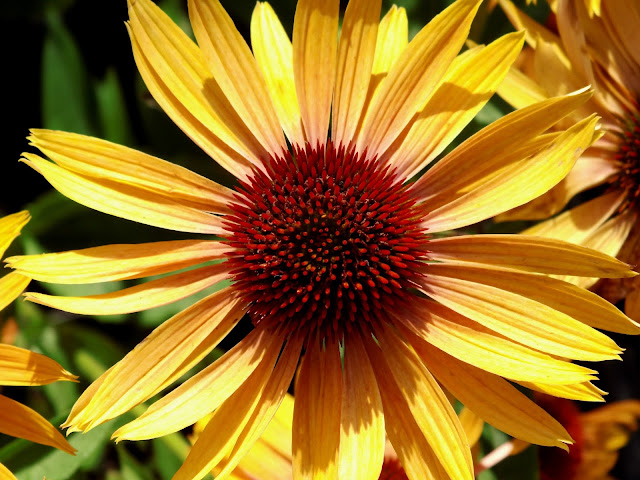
(519, 90)
(151, 294)
(429, 405)
(11, 286)
(472, 425)
(104, 160)
(469, 342)
(467, 86)
(146, 368)
(274, 402)
(234, 68)
(315, 45)
(124, 201)
(356, 53)
(522, 312)
(415, 453)
(20, 421)
(362, 433)
(528, 253)
(523, 22)
(24, 367)
(10, 228)
(203, 392)
(414, 76)
(493, 399)
(586, 392)
(316, 414)
(174, 70)
(117, 262)
(274, 54)
(512, 186)
(5, 474)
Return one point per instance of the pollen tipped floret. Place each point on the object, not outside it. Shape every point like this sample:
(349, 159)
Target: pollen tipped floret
(324, 237)
(628, 157)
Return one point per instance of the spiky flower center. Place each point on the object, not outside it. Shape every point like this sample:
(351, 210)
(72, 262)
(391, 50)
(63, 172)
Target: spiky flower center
(324, 238)
(628, 158)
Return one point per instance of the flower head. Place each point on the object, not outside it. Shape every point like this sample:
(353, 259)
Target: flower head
(330, 248)
(586, 50)
(23, 367)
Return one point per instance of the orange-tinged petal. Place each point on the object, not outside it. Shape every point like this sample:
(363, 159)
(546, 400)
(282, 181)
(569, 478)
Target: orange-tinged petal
(104, 160)
(234, 68)
(174, 70)
(20, 421)
(315, 50)
(147, 367)
(131, 203)
(273, 400)
(151, 294)
(528, 253)
(274, 54)
(117, 262)
(227, 422)
(586, 391)
(11, 286)
(362, 433)
(316, 413)
(472, 425)
(429, 405)
(24, 367)
(356, 52)
(205, 391)
(10, 228)
(487, 151)
(467, 86)
(517, 311)
(512, 185)
(493, 399)
(469, 342)
(414, 76)
(632, 304)
(415, 453)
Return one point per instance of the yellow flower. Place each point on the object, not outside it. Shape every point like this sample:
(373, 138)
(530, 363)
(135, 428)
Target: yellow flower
(328, 247)
(22, 367)
(587, 49)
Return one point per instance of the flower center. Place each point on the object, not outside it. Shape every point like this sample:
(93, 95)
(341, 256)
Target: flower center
(324, 238)
(628, 157)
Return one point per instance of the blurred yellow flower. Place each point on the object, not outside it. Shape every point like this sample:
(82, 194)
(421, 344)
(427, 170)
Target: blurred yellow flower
(328, 246)
(588, 50)
(23, 367)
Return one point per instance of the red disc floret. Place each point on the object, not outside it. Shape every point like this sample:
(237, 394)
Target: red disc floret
(628, 158)
(324, 237)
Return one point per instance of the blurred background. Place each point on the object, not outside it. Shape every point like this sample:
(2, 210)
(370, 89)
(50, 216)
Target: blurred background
(68, 65)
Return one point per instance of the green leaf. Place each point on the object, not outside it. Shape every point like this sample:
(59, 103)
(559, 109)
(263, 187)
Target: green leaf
(112, 111)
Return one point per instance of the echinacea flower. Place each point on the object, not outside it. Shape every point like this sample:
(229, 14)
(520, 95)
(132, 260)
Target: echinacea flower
(597, 50)
(22, 367)
(328, 247)
(598, 436)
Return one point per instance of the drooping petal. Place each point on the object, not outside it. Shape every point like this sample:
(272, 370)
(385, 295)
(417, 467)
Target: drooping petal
(99, 159)
(24, 367)
(429, 405)
(174, 70)
(414, 76)
(232, 64)
(467, 86)
(528, 253)
(469, 342)
(274, 54)
(315, 46)
(10, 228)
(356, 53)
(205, 391)
(493, 399)
(362, 433)
(144, 296)
(142, 206)
(11, 286)
(510, 311)
(20, 421)
(511, 186)
(146, 368)
(316, 413)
